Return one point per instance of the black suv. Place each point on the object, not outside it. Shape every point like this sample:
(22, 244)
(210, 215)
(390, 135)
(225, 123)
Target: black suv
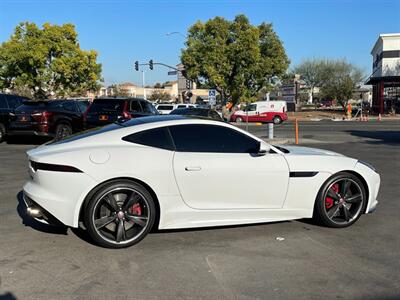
(108, 110)
(54, 118)
(8, 103)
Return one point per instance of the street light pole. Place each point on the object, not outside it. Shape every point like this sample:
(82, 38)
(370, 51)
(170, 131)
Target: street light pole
(143, 85)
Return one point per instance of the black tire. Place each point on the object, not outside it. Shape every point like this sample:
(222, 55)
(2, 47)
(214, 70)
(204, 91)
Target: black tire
(277, 120)
(96, 211)
(2, 133)
(238, 120)
(62, 130)
(345, 210)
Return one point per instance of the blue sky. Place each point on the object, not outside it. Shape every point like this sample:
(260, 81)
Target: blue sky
(125, 31)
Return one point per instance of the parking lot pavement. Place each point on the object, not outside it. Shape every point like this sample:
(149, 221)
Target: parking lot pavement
(242, 262)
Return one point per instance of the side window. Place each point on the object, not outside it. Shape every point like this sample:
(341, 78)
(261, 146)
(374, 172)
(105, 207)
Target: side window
(251, 107)
(69, 106)
(211, 138)
(83, 105)
(135, 106)
(146, 107)
(3, 103)
(157, 137)
(214, 115)
(181, 106)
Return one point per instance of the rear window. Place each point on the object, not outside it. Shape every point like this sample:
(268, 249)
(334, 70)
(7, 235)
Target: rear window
(86, 133)
(28, 107)
(107, 106)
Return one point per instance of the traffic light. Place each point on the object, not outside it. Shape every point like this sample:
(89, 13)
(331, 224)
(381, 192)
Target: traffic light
(187, 84)
(151, 64)
(136, 65)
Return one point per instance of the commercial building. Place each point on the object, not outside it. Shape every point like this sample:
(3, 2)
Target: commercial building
(385, 77)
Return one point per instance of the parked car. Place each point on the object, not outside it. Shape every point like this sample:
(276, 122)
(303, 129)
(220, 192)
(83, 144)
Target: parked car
(165, 109)
(199, 112)
(8, 103)
(262, 111)
(104, 111)
(121, 179)
(53, 118)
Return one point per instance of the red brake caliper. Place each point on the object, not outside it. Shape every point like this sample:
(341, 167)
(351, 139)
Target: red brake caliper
(136, 209)
(328, 200)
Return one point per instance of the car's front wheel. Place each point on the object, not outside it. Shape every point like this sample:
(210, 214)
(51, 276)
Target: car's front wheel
(62, 131)
(120, 214)
(341, 201)
(238, 120)
(277, 120)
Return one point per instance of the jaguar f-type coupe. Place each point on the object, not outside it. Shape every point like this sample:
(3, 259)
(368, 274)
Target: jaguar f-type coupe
(119, 181)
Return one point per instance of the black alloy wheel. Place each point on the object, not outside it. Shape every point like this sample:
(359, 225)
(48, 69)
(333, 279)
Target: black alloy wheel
(120, 214)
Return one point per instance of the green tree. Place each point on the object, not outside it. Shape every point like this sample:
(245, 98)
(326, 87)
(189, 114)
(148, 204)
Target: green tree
(342, 79)
(48, 62)
(159, 95)
(235, 57)
(314, 72)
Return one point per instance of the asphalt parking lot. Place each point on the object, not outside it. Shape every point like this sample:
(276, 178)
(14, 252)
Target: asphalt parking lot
(285, 260)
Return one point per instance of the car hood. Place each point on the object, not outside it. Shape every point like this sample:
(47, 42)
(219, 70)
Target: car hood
(297, 150)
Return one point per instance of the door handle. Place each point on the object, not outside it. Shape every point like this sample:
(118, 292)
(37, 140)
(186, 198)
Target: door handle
(192, 168)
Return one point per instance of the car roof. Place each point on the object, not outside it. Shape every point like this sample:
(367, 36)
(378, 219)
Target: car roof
(156, 119)
(119, 98)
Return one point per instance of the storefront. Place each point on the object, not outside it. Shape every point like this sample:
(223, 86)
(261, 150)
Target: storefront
(385, 77)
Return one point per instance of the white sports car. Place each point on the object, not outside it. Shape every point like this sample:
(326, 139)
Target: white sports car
(177, 172)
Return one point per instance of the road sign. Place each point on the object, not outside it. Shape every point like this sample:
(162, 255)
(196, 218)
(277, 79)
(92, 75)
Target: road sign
(289, 92)
(212, 97)
(172, 72)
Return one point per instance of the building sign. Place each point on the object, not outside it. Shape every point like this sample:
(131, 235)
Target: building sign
(289, 92)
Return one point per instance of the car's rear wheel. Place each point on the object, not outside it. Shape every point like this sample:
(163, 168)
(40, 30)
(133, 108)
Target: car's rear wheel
(2, 133)
(277, 120)
(238, 120)
(341, 201)
(62, 131)
(120, 214)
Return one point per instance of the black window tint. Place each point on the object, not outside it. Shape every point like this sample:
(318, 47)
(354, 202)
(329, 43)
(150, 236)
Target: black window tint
(107, 106)
(157, 137)
(83, 105)
(211, 138)
(69, 106)
(3, 103)
(214, 115)
(165, 107)
(135, 106)
(146, 107)
(14, 101)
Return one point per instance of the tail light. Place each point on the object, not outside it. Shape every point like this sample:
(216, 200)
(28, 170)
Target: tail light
(125, 113)
(42, 117)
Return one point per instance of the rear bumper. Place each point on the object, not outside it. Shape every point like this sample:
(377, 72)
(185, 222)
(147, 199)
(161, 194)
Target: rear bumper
(36, 129)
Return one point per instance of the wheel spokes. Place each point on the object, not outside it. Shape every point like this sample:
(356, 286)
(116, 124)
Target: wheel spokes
(346, 213)
(140, 220)
(131, 200)
(354, 199)
(112, 204)
(333, 211)
(345, 188)
(331, 193)
(120, 232)
(104, 221)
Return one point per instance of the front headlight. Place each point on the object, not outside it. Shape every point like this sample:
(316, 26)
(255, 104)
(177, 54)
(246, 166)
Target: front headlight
(367, 164)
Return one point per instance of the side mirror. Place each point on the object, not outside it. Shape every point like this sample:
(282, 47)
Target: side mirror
(262, 149)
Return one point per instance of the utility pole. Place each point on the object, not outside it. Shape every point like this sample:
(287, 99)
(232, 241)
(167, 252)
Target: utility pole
(143, 86)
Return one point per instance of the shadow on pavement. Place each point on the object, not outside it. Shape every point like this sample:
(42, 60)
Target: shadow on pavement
(27, 140)
(31, 222)
(379, 137)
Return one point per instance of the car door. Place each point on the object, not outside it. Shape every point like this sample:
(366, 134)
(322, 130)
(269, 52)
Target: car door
(216, 167)
(251, 112)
